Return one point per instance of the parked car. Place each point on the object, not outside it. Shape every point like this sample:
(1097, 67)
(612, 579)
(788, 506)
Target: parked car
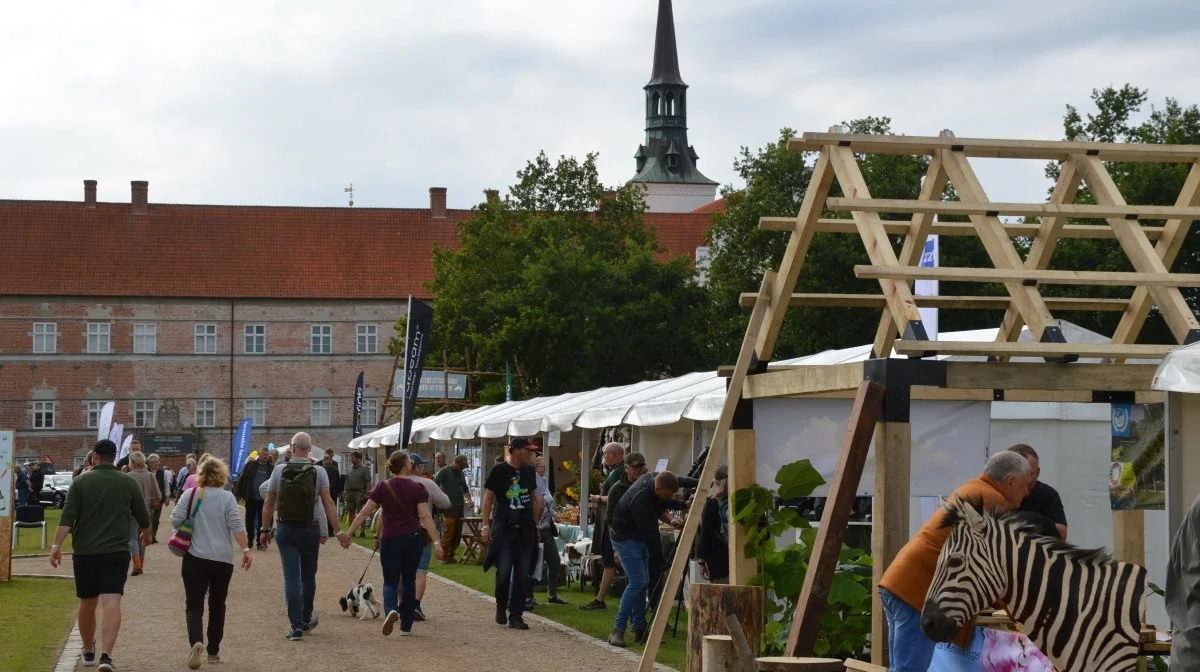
(54, 490)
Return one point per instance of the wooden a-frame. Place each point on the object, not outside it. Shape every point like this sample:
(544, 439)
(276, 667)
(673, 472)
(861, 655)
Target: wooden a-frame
(887, 385)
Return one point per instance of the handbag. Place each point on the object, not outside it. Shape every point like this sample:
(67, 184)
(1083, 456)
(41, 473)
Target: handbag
(181, 539)
(424, 533)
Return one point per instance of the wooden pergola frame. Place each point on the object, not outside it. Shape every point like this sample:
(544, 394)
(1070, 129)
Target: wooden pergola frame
(883, 387)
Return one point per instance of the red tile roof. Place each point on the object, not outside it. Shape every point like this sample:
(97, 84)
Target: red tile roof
(718, 205)
(61, 248)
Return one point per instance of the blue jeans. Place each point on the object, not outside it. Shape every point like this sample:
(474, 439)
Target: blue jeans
(909, 650)
(635, 560)
(253, 518)
(513, 561)
(299, 546)
(399, 557)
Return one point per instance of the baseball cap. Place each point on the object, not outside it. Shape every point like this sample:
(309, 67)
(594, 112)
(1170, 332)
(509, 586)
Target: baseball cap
(521, 442)
(416, 459)
(635, 460)
(105, 447)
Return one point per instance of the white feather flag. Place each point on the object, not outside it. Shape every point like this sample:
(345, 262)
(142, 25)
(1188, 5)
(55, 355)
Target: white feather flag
(104, 422)
(124, 452)
(115, 433)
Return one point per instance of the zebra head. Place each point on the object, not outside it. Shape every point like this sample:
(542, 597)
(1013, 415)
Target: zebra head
(970, 572)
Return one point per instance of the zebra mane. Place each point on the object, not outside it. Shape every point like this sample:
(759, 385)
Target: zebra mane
(1020, 522)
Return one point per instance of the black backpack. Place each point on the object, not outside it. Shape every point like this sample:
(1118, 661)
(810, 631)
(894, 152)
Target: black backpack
(297, 496)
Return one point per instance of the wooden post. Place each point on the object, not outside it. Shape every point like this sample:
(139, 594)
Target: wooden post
(814, 595)
(889, 519)
(1129, 530)
(718, 654)
(710, 603)
(8, 503)
(742, 468)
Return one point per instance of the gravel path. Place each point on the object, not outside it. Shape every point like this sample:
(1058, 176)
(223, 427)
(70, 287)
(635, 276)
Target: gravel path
(460, 634)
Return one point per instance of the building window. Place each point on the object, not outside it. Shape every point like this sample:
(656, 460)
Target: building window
(322, 339)
(93, 413)
(43, 414)
(206, 339)
(370, 412)
(368, 339)
(145, 338)
(322, 413)
(45, 337)
(206, 412)
(256, 410)
(256, 339)
(143, 413)
(99, 337)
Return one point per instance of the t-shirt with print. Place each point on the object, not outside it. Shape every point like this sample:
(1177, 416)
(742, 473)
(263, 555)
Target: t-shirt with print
(514, 490)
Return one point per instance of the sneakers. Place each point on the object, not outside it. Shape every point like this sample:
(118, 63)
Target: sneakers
(194, 656)
(89, 658)
(295, 635)
(106, 664)
(418, 615)
(406, 633)
(390, 622)
(311, 624)
(617, 638)
(214, 660)
(557, 600)
(501, 616)
(517, 623)
(593, 606)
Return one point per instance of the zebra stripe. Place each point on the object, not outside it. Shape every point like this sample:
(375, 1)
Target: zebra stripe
(1082, 609)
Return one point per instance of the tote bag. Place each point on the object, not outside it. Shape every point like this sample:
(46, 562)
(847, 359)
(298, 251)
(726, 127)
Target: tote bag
(181, 539)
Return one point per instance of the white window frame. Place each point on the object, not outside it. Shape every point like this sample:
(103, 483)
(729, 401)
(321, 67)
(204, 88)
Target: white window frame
(206, 413)
(45, 338)
(91, 413)
(145, 338)
(370, 413)
(256, 336)
(205, 336)
(99, 334)
(367, 339)
(256, 410)
(320, 339)
(45, 415)
(145, 407)
(318, 408)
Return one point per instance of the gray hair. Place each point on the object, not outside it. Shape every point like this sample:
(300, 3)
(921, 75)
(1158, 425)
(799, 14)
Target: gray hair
(152, 457)
(614, 447)
(1006, 463)
(301, 443)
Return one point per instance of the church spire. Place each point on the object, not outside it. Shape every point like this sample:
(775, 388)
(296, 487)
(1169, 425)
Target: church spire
(666, 56)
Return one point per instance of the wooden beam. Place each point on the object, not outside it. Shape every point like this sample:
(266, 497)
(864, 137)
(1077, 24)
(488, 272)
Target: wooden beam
(900, 228)
(1168, 247)
(803, 379)
(1037, 376)
(994, 209)
(742, 474)
(687, 535)
(814, 594)
(904, 347)
(1141, 254)
(889, 518)
(963, 274)
(945, 302)
(1129, 536)
(1049, 150)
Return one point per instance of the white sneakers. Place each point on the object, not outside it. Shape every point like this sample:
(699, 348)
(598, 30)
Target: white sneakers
(390, 622)
(194, 656)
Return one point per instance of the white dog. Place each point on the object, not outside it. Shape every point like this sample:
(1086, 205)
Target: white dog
(572, 553)
(361, 597)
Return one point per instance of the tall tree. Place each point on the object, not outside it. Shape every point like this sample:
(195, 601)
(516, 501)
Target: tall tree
(564, 281)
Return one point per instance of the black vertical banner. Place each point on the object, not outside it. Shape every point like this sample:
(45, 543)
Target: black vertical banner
(358, 403)
(416, 346)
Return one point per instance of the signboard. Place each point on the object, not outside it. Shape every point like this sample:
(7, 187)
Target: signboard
(168, 444)
(433, 385)
(1137, 478)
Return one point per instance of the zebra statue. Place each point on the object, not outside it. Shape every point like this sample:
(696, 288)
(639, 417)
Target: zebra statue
(1079, 607)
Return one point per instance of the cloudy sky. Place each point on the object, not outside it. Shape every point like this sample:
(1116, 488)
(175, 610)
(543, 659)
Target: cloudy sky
(287, 102)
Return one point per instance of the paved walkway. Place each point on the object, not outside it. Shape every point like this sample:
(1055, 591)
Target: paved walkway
(460, 634)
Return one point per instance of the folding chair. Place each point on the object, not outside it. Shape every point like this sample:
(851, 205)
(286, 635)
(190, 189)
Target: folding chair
(30, 515)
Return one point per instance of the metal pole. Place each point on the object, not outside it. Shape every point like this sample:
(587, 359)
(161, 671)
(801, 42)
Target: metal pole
(585, 474)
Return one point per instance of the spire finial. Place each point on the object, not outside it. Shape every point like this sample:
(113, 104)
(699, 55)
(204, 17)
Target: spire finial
(666, 55)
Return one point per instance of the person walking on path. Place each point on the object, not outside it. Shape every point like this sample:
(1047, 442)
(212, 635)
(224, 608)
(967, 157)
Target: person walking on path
(358, 481)
(509, 530)
(153, 497)
(335, 477)
(298, 489)
(248, 489)
(452, 479)
(404, 526)
(438, 502)
(96, 514)
(208, 564)
(162, 479)
(613, 454)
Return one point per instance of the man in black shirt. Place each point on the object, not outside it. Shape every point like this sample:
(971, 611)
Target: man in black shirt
(1042, 499)
(509, 512)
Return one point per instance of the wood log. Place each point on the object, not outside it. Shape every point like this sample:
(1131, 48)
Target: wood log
(718, 654)
(708, 605)
(790, 664)
(859, 666)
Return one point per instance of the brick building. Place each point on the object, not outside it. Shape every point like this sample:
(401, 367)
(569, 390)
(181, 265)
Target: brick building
(192, 317)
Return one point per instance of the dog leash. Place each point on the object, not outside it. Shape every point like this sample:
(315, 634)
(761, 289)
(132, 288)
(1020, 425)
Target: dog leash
(372, 559)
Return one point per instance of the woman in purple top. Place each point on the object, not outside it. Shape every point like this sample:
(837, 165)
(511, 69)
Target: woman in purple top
(405, 519)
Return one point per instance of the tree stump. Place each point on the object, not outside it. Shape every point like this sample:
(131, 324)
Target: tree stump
(718, 654)
(790, 664)
(709, 605)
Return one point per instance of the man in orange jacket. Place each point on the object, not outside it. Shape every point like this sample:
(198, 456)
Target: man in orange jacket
(1005, 481)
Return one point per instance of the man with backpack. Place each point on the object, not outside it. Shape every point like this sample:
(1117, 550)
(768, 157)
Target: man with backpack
(297, 491)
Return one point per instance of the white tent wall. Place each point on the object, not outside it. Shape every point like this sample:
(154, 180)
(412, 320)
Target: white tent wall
(671, 442)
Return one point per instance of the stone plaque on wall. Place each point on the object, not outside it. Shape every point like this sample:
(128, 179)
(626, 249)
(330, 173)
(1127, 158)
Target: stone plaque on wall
(168, 444)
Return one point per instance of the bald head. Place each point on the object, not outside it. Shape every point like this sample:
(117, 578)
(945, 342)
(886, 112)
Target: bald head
(613, 453)
(301, 444)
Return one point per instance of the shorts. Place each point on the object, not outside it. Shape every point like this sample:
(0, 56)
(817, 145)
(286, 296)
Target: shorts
(102, 574)
(607, 558)
(426, 555)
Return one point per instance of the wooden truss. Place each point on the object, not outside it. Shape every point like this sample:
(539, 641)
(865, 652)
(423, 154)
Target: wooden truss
(883, 387)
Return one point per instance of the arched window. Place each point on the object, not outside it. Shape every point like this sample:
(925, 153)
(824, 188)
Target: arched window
(670, 104)
(656, 104)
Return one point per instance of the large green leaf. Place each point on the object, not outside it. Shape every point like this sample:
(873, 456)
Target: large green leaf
(798, 479)
(848, 590)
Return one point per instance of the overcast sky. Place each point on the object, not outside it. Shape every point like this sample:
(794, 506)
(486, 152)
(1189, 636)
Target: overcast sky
(287, 102)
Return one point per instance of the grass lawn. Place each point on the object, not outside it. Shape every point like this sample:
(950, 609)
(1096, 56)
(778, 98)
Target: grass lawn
(672, 652)
(38, 614)
(31, 537)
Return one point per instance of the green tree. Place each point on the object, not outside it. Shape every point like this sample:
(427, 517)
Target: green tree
(566, 282)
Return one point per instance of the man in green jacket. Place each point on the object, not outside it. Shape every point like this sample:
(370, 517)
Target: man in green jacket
(96, 514)
(453, 482)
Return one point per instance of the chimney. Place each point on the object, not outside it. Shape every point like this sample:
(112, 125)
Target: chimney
(139, 191)
(437, 202)
(493, 195)
(89, 193)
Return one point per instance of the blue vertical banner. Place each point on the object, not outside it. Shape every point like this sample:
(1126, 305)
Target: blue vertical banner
(358, 403)
(416, 347)
(929, 259)
(241, 447)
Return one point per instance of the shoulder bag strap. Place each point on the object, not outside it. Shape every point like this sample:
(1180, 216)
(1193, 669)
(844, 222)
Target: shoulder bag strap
(388, 484)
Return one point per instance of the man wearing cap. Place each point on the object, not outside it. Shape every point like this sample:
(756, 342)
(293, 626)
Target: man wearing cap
(510, 510)
(453, 481)
(96, 514)
(613, 453)
(358, 481)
